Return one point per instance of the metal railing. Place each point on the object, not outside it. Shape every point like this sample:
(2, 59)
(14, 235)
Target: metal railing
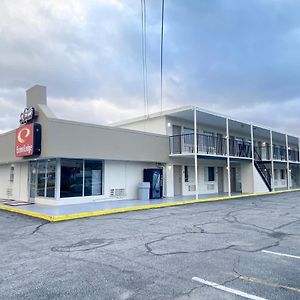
(217, 145)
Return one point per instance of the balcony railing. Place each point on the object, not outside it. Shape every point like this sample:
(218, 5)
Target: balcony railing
(217, 145)
(279, 153)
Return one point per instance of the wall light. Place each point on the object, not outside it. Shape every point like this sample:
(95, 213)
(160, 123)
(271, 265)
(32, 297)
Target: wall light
(169, 124)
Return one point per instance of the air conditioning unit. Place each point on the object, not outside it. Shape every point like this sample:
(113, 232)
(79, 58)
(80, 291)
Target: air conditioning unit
(117, 193)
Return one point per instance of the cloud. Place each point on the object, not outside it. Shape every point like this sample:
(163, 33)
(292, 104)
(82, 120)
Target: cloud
(240, 58)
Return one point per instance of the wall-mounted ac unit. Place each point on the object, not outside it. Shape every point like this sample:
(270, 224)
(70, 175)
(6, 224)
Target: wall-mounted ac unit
(118, 193)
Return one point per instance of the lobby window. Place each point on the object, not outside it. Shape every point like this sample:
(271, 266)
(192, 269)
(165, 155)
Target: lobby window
(42, 178)
(71, 178)
(81, 178)
(92, 178)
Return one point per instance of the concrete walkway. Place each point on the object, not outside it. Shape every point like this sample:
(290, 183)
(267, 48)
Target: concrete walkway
(74, 211)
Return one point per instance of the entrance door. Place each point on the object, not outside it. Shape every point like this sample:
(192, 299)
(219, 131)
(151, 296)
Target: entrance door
(177, 181)
(220, 180)
(233, 179)
(176, 139)
(32, 177)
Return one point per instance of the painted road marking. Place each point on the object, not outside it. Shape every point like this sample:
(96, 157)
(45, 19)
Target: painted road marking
(263, 282)
(281, 254)
(228, 290)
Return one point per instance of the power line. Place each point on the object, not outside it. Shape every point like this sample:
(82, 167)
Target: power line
(144, 55)
(161, 53)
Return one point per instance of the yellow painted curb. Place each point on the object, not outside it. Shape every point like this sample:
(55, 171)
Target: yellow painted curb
(133, 208)
(26, 212)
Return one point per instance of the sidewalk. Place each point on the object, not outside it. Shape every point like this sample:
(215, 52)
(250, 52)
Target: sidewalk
(74, 211)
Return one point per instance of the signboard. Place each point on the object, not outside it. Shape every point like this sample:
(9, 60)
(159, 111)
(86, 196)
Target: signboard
(28, 115)
(28, 140)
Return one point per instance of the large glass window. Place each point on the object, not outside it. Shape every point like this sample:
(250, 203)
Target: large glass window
(50, 188)
(92, 177)
(71, 178)
(81, 178)
(42, 178)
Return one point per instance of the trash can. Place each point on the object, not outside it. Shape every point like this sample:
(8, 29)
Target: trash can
(143, 190)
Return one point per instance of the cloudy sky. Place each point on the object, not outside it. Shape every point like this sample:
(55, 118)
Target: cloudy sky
(241, 58)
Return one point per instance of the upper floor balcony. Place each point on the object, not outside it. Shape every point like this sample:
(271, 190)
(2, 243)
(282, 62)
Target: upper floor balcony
(216, 145)
(209, 145)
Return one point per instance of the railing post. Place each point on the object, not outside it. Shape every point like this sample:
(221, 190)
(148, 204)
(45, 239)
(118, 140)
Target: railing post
(228, 158)
(196, 152)
(287, 161)
(252, 155)
(272, 160)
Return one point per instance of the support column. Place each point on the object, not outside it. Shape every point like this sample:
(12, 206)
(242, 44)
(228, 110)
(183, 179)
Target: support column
(298, 149)
(272, 161)
(196, 152)
(228, 158)
(252, 156)
(287, 162)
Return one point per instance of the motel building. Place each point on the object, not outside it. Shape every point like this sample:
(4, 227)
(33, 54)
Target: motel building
(184, 153)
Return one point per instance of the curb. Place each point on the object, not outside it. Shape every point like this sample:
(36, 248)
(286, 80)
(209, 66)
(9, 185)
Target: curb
(133, 208)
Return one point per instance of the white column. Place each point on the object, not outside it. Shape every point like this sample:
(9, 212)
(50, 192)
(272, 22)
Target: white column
(272, 160)
(287, 162)
(57, 179)
(196, 152)
(299, 150)
(253, 157)
(228, 158)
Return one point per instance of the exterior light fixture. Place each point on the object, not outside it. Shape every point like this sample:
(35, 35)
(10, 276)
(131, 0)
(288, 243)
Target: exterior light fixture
(169, 124)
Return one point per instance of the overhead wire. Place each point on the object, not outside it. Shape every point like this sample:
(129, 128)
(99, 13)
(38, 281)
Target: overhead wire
(161, 53)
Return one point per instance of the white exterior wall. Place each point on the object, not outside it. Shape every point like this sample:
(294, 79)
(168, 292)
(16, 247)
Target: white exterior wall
(259, 185)
(124, 175)
(156, 125)
(247, 178)
(18, 189)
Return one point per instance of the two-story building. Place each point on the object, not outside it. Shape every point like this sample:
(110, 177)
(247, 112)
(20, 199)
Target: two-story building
(53, 161)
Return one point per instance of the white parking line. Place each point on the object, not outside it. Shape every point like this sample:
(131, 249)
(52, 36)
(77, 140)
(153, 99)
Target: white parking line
(226, 289)
(281, 254)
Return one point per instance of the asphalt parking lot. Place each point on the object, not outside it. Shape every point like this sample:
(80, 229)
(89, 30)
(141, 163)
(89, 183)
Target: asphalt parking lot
(219, 250)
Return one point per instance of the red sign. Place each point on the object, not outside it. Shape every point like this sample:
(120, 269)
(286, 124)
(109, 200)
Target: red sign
(25, 140)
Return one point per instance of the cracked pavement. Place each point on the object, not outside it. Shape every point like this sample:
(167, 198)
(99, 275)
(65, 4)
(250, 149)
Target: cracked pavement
(154, 254)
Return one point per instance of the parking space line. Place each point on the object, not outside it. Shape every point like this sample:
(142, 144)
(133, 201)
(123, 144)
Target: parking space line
(281, 254)
(226, 289)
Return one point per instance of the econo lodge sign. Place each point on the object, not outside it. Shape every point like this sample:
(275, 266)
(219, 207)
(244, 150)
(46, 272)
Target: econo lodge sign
(28, 136)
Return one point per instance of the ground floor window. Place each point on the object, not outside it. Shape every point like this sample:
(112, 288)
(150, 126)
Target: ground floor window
(282, 174)
(42, 178)
(81, 178)
(210, 174)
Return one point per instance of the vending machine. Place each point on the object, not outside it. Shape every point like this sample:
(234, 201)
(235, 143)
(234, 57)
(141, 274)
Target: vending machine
(155, 177)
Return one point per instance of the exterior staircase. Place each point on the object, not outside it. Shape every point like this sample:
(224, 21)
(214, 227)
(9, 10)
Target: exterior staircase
(262, 170)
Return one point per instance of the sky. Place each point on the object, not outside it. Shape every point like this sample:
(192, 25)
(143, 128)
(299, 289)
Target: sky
(239, 58)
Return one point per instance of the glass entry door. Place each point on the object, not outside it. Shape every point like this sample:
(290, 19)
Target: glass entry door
(33, 176)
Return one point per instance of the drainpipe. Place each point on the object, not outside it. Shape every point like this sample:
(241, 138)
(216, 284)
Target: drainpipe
(228, 158)
(196, 152)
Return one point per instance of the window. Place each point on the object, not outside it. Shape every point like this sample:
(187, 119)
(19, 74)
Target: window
(71, 184)
(210, 174)
(92, 178)
(186, 174)
(81, 178)
(275, 174)
(42, 178)
(12, 173)
(50, 188)
(282, 174)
